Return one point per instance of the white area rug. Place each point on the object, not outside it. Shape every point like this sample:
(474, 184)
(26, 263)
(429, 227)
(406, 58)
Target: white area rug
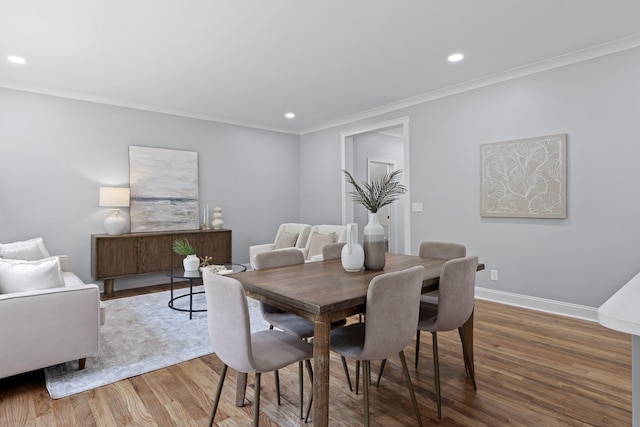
(141, 334)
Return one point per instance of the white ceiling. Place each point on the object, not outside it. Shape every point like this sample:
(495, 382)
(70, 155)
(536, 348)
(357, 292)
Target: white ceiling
(250, 61)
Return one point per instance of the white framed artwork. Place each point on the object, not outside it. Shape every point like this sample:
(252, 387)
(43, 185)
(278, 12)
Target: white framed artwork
(524, 178)
(164, 189)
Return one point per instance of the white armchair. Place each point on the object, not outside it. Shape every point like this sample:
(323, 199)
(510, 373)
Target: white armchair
(44, 327)
(321, 235)
(289, 235)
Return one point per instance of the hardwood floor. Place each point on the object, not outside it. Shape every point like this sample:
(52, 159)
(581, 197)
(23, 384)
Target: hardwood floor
(532, 369)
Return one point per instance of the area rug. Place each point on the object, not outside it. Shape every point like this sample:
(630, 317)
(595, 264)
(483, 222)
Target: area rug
(141, 334)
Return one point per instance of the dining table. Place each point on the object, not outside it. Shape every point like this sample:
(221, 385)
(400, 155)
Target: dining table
(324, 292)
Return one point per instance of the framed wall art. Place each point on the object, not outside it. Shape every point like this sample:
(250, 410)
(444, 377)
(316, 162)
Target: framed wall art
(524, 178)
(164, 189)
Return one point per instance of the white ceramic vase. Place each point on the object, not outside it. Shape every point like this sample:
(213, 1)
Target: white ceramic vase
(217, 219)
(352, 255)
(374, 245)
(191, 263)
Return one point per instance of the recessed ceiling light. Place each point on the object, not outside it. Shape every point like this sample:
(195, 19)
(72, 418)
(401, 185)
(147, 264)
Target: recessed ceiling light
(17, 59)
(455, 57)
(290, 115)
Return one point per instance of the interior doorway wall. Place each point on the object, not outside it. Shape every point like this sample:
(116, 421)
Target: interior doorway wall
(356, 144)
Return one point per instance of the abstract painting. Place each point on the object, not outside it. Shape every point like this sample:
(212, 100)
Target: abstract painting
(524, 178)
(164, 189)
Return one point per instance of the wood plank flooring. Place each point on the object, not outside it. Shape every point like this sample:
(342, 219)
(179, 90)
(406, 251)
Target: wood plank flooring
(532, 369)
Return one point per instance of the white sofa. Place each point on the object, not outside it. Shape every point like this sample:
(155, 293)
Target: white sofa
(302, 231)
(46, 327)
(313, 250)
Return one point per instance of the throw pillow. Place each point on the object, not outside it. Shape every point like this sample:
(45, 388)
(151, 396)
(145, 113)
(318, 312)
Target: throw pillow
(319, 241)
(20, 275)
(286, 240)
(29, 250)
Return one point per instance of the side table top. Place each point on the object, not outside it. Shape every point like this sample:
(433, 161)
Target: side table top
(226, 268)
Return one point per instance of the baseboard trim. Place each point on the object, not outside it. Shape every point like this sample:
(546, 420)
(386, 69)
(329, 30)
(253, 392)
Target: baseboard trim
(539, 304)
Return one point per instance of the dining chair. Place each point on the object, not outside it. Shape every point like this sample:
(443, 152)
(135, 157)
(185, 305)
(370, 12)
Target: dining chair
(456, 300)
(392, 307)
(235, 345)
(437, 250)
(429, 301)
(288, 322)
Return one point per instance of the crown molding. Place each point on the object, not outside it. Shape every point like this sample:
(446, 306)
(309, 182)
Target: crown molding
(9, 84)
(538, 67)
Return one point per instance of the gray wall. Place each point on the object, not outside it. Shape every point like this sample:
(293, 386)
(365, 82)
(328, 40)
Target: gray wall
(56, 152)
(580, 260)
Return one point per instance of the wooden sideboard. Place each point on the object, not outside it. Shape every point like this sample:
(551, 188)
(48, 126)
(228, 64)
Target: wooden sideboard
(132, 254)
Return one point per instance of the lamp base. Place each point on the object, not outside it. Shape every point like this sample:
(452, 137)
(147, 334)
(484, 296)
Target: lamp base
(115, 223)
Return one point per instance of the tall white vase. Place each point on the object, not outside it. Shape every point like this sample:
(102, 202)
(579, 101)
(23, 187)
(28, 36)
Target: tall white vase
(352, 255)
(217, 219)
(374, 246)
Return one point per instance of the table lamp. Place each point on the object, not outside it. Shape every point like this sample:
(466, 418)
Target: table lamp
(114, 197)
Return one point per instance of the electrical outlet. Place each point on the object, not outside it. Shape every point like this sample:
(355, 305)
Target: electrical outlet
(494, 275)
(416, 207)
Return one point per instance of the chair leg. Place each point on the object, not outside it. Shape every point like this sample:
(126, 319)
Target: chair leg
(300, 387)
(382, 364)
(467, 360)
(310, 371)
(256, 403)
(436, 372)
(277, 378)
(410, 387)
(366, 367)
(417, 346)
(357, 375)
(216, 400)
(346, 372)
(81, 363)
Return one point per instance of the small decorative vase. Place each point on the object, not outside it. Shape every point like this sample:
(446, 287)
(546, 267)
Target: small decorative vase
(217, 219)
(374, 246)
(352, 255)
(191, 263)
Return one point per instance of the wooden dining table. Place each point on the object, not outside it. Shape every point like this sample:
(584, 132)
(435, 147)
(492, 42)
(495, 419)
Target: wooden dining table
(324, 292)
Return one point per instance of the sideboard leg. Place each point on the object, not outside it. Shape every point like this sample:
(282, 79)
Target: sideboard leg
(108, 288)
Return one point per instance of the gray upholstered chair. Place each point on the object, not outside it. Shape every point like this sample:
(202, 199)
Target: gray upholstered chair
(235, 345)
(437, 250)
(429, 301)
(392, 314)
(289, 322)
(455, 305)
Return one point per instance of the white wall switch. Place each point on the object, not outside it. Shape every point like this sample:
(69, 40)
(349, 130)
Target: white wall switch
(494, 275)
(416, 207)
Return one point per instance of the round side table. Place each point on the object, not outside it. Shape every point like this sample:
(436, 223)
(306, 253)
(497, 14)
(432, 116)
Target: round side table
(195, 276)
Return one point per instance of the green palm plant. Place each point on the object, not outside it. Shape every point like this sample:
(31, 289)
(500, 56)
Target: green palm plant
(183, 247)
(377, 193)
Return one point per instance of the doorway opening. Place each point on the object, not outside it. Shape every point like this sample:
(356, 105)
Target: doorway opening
(368, 152)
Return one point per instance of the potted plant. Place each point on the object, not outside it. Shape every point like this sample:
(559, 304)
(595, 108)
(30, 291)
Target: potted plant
(374, 195)
(183, 247)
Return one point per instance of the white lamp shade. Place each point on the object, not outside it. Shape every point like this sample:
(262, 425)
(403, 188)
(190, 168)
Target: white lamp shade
(113, 197)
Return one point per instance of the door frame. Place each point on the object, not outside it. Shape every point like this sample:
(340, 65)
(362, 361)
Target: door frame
(346, 143)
